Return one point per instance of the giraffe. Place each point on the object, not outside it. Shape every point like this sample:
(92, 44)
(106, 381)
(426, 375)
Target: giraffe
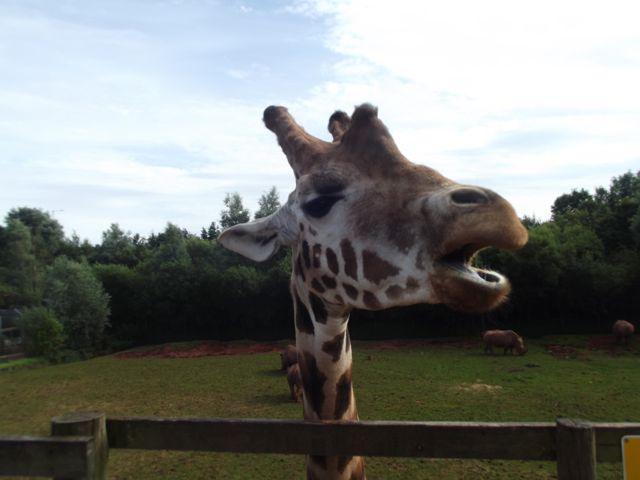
(369, 229)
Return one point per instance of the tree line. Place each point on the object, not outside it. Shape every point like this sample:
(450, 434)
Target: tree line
(578, 273)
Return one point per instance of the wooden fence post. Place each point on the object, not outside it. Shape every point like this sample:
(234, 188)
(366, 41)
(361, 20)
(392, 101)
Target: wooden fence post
(91, 424)
(576, 449)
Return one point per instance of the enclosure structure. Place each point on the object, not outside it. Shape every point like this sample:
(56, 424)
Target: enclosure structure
(10, 337)
(79, 445)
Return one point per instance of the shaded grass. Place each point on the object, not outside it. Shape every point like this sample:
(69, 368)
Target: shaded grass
(416, 383)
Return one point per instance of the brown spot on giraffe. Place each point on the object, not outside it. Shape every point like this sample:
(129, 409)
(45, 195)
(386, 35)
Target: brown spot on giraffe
(351, 291)
(303, 320)
(297, 268)
(371, 301)
(313, 381)
(332, 261)
(343, 395)
(376, 269)
(329, 282)
(319, 461)
(349, 257)
(394, 292)
(317, 286)
(343, 462)
(319, 308)
(334, 346)
(305, 254)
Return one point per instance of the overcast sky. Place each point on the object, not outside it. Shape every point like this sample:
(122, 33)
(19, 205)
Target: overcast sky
(143, 112)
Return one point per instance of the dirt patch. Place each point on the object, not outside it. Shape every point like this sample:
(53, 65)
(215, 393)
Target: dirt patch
(204, 349)
(607, 343)
(478, 388)
(401, 344)
(561, 351)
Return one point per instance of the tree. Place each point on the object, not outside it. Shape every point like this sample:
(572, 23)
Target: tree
(47, 234)
(268, 203)
(117, 247)
(19, 270)
(568, 202)
(210, 233)
(42, 333)
(234, 213)
(79, 302)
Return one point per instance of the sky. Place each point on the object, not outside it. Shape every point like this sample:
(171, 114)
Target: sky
(143, 112)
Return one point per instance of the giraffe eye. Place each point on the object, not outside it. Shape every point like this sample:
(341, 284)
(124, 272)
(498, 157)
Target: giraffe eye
(319, 207)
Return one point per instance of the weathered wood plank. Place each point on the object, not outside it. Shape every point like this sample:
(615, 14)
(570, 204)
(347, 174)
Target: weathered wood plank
(91, 424)
(45, 456)
(513, 441)
(576, 450)
(609, 437)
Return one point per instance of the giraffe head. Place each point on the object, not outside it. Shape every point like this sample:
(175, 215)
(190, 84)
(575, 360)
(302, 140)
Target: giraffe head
(372, 230)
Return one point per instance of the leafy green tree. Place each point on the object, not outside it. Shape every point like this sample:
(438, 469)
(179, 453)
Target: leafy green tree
(79, 302)
(129, 303)
(47, 235)
(19, 271)
(42, 333)
(210, 233)
(234, 211)
(117, 247)
(77, 249)
(576, 200)
(268, 203)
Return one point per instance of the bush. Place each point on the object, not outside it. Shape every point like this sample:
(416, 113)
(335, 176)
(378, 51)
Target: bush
(79, 301)
(42, 334)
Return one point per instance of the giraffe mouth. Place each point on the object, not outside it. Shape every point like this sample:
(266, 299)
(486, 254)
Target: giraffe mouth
(466, 287)
(461, 261)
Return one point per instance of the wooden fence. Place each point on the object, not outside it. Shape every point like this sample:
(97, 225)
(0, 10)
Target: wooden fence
(79, 443)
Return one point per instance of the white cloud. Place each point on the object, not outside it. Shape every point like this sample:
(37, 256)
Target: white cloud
(521, 96)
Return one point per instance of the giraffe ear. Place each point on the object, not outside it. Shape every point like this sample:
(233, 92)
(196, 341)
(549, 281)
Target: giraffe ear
(262, 238)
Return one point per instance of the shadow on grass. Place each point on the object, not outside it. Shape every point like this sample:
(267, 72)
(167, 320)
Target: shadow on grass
(274, 398)
(272, 372)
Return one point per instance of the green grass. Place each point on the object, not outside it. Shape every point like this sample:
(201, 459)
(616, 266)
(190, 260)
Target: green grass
(21, 363)
(420, 383)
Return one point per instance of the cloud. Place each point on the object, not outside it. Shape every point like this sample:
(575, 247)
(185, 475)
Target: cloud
(519, 97)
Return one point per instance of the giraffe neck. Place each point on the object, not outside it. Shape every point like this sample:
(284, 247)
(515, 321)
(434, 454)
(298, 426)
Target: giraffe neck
(325, 360)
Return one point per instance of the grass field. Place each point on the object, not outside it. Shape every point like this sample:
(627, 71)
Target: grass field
(454, 382)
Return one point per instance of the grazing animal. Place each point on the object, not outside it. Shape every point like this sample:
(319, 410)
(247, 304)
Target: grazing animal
(288, 357)
(371, 230)
(507, 339)
(623, 331)
(294, 379)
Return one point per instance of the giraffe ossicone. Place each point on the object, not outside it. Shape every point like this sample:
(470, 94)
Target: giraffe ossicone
(369, 229)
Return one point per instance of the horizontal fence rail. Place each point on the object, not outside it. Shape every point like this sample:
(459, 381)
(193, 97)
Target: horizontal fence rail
(80, 442)
(513, 441)
(68, 457)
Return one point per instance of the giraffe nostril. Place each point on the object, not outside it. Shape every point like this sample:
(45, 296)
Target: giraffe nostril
(469, 196)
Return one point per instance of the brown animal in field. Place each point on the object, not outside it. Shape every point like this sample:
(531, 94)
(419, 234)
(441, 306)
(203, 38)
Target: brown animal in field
(294, 379)
(623, 331)
(507, 339)
(288, 357)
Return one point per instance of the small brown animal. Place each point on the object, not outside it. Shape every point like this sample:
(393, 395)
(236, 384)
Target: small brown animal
(288, 357)
(294, 379)
(508, 339)
(623, 331)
